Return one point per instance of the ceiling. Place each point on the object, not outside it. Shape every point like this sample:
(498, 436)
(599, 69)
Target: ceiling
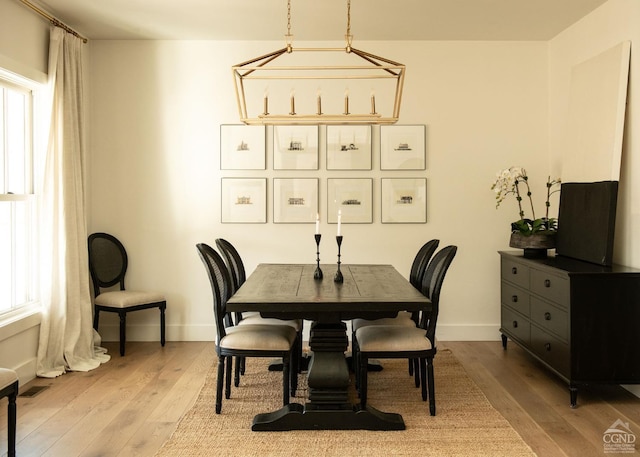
(319, 20)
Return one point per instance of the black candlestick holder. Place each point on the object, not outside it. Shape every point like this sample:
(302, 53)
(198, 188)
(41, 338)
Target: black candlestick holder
(318, 273)
(338, 277)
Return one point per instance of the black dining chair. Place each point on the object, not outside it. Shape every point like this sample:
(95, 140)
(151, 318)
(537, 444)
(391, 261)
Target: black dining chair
(238, 275)
(108, 262)
(394, 341)
(249, 340)
(404, 318)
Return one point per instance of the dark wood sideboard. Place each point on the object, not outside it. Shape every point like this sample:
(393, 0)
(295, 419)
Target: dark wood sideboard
(580, 319)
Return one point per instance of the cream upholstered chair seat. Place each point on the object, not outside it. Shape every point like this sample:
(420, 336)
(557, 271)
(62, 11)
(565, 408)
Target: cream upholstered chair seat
(392, 338)
(9, 388)
(403, 319)
(127, 298)
(256, 319)
(259, 337)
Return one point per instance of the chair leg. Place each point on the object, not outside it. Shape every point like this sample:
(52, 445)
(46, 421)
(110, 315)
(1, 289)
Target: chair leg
(227, 384)
(11, 422)
(243, 365)
(432, 389)
(96, 318)
(219, 384)
(355, 362)
(237, 369)
(416, 371)
(423, 375)
(294, 369)
(410, 367)
(286, 368)
(363, 379)
(123, 326)
(162, 324)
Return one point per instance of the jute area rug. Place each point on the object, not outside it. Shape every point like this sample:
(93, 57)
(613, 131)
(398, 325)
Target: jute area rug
(465, 423)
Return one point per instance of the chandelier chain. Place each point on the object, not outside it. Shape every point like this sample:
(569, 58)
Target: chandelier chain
(289, 17)
(348, 17)
(288, 36)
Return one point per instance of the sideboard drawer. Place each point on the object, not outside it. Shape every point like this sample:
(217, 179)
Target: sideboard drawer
(517, 326)
(551, 318)
(551, 350)
(515, 298)
(515, 272)
(552, 287)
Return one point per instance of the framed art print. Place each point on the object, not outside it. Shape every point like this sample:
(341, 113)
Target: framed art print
(352, 197)
(295, 147)
(403, 147)
(244, 200)
(404, 200)
(348, 147)
(295, 200)
(242, 147)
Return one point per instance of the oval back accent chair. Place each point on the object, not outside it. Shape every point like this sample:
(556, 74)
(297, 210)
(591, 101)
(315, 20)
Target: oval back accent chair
(108, 262)
(249, 340)
(394, 341)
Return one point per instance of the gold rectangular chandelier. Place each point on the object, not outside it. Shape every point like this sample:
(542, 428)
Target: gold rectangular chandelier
(309, 77)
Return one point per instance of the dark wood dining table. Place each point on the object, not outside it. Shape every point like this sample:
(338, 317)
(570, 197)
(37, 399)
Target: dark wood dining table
(289, 291)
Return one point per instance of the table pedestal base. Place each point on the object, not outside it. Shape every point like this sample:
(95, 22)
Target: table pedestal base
(295, 416)
(328, 379)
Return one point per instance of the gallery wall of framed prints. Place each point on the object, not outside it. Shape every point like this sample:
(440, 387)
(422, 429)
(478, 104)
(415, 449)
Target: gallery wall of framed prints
(296, 172)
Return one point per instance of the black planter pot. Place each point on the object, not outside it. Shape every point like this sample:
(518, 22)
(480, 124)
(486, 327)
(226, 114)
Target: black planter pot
(536, 245)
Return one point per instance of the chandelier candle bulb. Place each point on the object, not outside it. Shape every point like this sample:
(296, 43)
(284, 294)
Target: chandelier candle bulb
(319, 104)
(317, 223)
(373, 104)
(293, 105)
(346, 102)
(339, 221)
(266, 104)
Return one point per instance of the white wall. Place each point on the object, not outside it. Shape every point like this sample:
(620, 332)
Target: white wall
(156, 108)
(24, 44)
(612, 23)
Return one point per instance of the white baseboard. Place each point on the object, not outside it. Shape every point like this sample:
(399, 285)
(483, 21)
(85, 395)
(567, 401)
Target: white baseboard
(26, 370)
(152, 332)
(207, 332)
(464, 332)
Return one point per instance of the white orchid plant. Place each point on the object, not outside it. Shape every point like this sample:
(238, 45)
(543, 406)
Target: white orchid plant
(508, 182)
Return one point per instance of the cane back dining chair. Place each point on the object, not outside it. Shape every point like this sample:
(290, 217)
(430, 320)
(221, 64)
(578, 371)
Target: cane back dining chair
(9, 388)
(236, 269)
(404, 318)
(393, 341)
(249, 340)
(108, 262)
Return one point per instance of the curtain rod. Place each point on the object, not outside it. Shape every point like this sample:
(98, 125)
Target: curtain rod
(53, 20)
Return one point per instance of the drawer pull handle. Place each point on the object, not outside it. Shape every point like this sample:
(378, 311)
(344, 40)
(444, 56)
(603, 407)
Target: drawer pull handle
(515, 324)
(547, 346)
(514, 298)
(547, 283)
(514, 270)
(547, 316)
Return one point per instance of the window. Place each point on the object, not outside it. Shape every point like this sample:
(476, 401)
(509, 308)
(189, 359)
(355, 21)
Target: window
(18, 236)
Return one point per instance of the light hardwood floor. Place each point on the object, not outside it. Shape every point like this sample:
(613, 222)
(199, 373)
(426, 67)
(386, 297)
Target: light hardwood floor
(130, 406)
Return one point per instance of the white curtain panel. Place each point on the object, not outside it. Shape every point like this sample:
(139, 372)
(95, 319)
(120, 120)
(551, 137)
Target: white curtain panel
(66, 332)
